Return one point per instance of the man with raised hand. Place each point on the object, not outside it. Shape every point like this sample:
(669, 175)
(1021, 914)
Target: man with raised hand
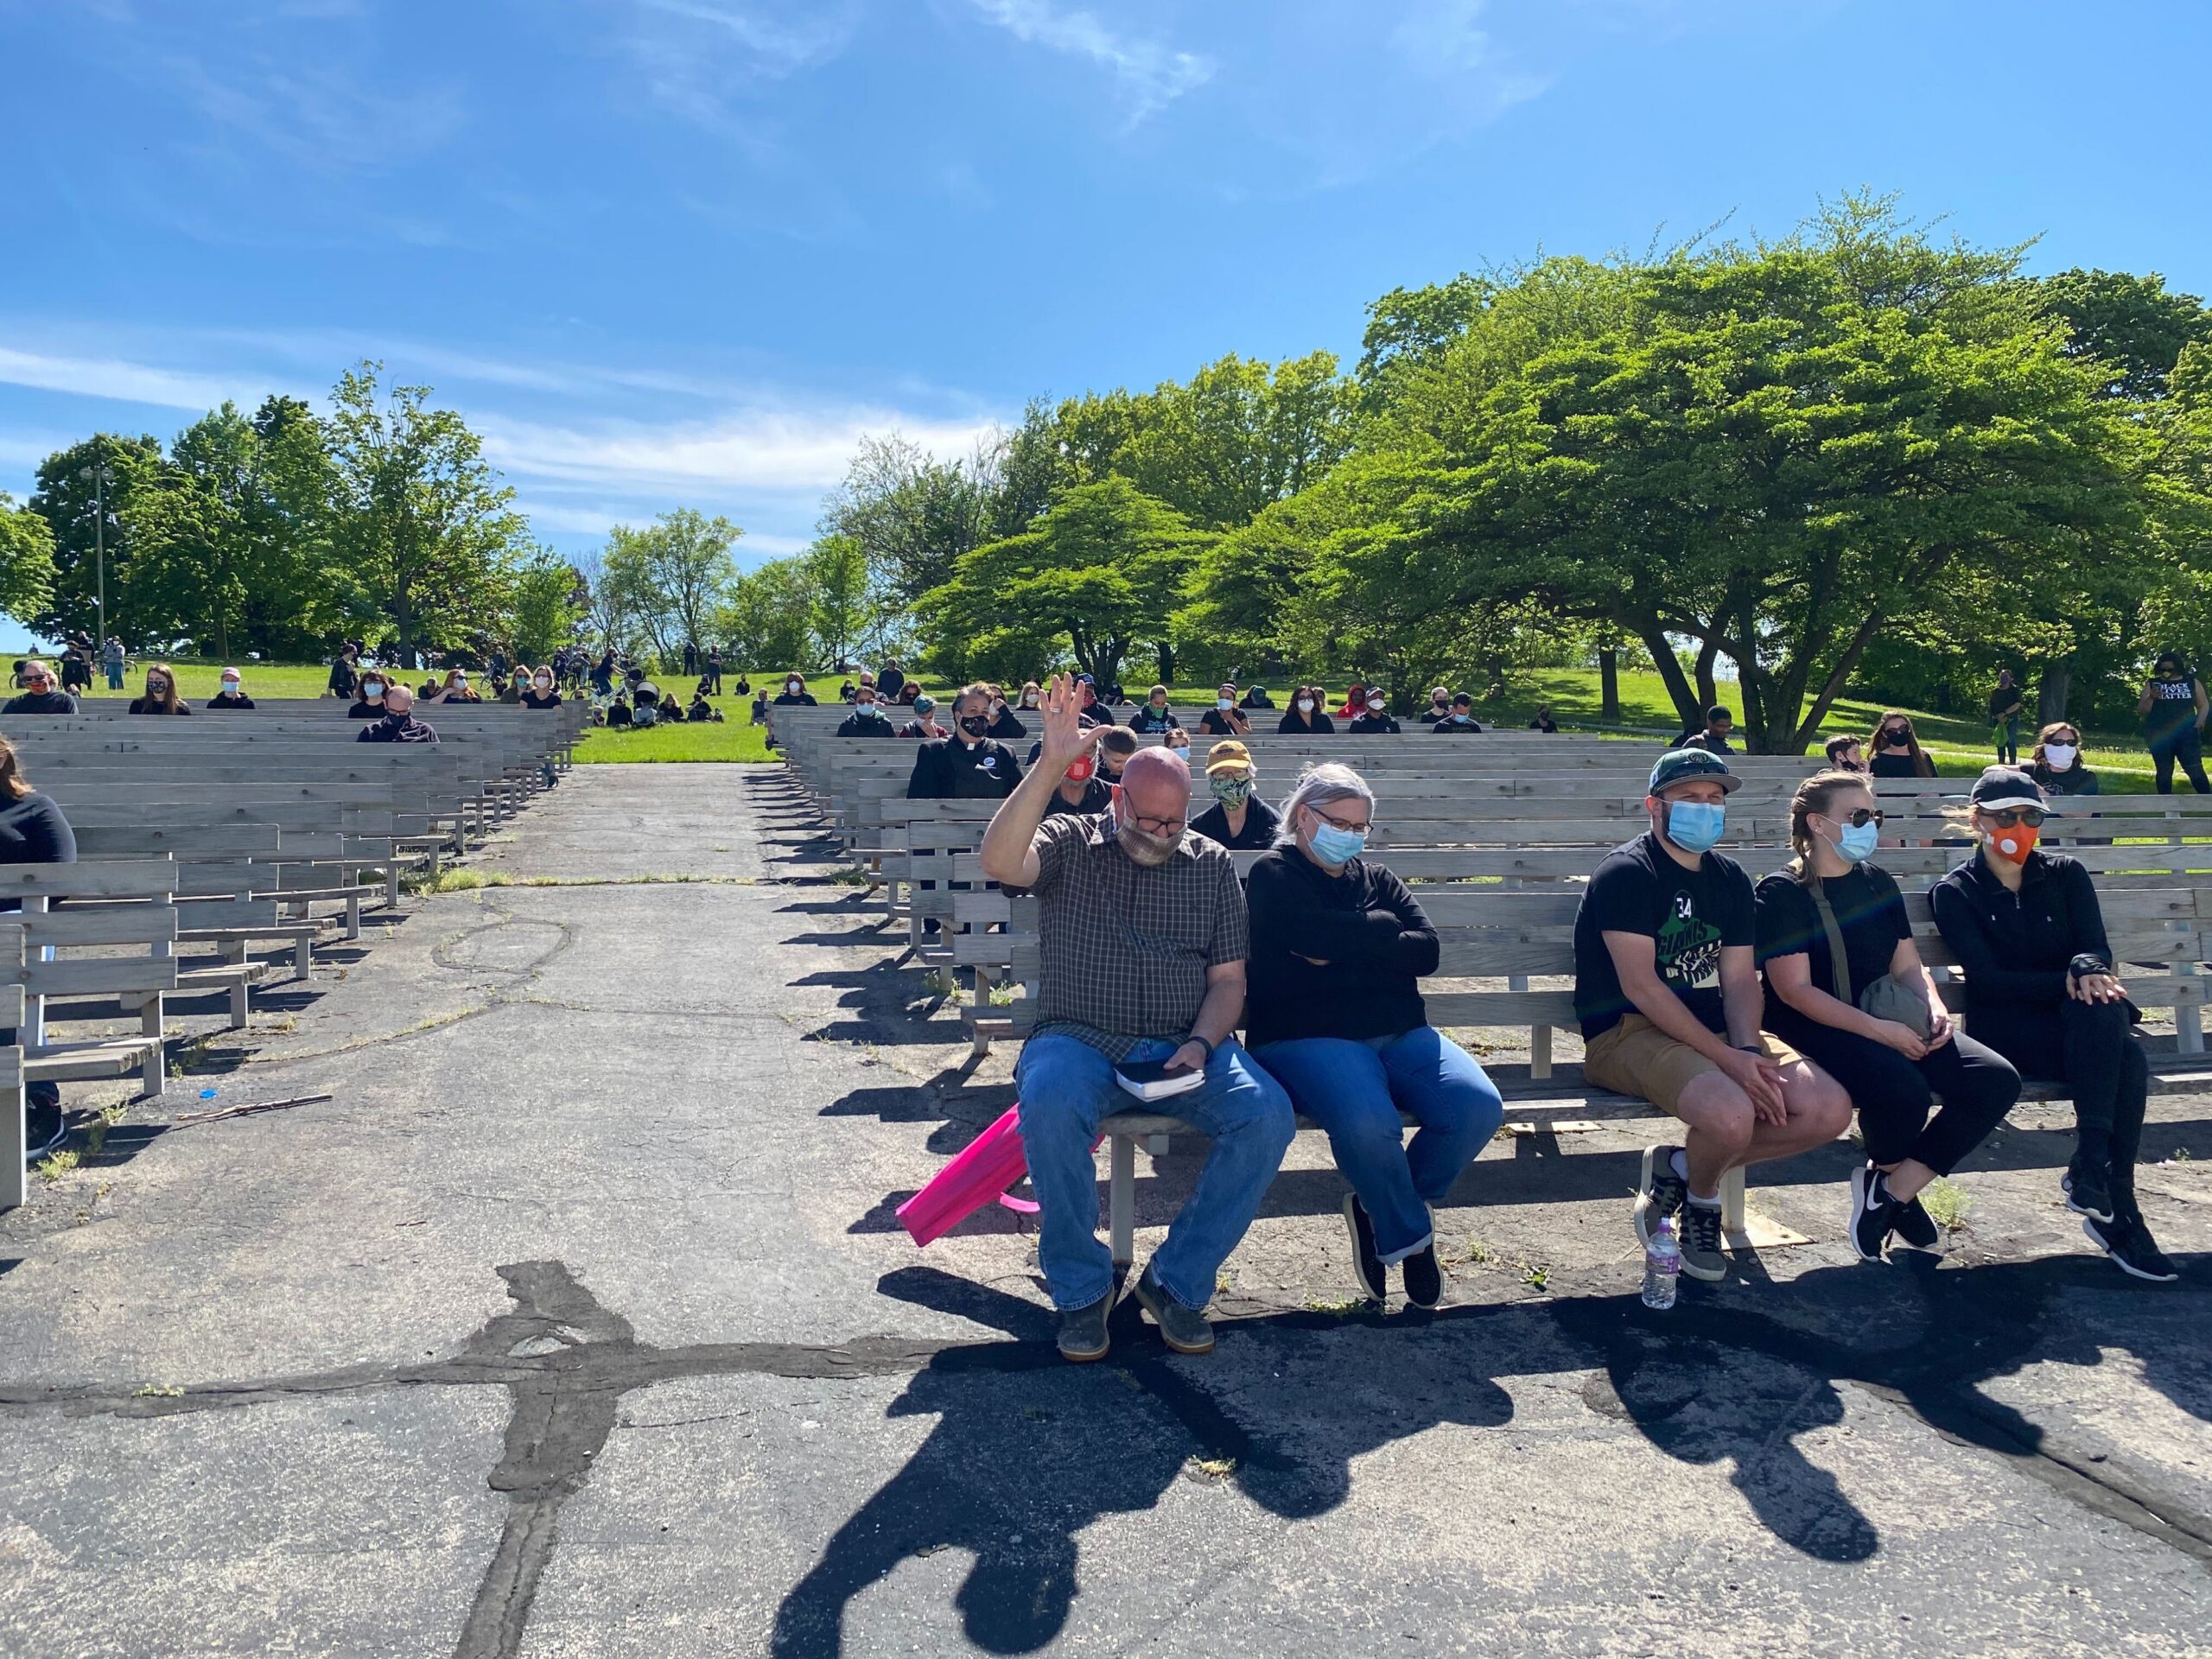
(1667, 987)
(1142, 940)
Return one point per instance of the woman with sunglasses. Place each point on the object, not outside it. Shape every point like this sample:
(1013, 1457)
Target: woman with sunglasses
(1870, 1015)
(40, 695)
(2041, 990)
(2056, 761)
(1896, 749)
(1334, 1012)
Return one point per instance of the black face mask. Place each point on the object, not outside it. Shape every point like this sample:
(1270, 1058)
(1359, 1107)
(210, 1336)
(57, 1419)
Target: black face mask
(974, 725)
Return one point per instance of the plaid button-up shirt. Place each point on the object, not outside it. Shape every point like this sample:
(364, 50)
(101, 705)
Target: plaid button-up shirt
(1124, 950)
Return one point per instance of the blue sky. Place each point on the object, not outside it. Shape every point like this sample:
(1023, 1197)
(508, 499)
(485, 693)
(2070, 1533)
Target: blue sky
(668, 252)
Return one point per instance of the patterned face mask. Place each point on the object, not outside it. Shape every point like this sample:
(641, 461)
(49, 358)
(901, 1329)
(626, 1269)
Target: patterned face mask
(1231, 791)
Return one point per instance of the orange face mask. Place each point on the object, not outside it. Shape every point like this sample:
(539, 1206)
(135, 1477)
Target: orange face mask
(1081, 771)
(2015, 843)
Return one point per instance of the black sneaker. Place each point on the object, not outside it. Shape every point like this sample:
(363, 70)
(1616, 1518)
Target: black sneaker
(2087, 1188)
(1083, 1330)
(1660, 1193)
(1916, 1227)
(44, 1130)
(2130, 1247)
(1366, 1264)
(1424, 1278)
(1184, 1329)
(1700, 1241)
(1873, 1212)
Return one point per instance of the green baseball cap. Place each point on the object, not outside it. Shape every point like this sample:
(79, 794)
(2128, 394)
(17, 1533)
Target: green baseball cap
(1684, 765)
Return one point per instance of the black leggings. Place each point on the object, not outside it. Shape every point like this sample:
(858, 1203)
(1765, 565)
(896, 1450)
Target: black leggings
(2187, 747)
(1895, 1095)
(2091, 1048)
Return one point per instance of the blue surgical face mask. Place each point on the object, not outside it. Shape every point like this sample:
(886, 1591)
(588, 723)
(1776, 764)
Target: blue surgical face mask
(1858, 840)
(1695, 826)
(1335, 846)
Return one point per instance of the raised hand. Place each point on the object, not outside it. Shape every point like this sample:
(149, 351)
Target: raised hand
(1065, 739)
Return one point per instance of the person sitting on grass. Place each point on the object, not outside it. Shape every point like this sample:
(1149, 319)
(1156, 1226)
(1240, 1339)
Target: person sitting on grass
(924, 725)
(2044, 990)
(1237, 819)
(618, 712)
(1667, 988)
(40, 695)
(1845, 987)
(1142, 940)
(2056, 761)
(160, 698)
(1339, 945)
(1225, 719)
(1461, 723)
(701, 711)
(231, 696)
(867, 720)
(398, 724)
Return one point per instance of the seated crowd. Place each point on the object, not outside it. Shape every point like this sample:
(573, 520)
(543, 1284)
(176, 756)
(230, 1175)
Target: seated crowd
(1761, 1018)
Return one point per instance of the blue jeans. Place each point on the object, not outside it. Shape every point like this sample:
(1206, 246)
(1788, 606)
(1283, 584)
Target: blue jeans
(1067, 1087)
(1356, 1090)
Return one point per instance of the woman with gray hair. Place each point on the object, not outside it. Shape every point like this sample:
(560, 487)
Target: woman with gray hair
(1334, 1012)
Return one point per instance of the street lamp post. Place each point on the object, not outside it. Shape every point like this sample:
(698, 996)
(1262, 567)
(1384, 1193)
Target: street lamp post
(100, 477)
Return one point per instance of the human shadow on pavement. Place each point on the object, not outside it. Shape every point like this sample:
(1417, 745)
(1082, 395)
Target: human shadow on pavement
(1019, 1463)
(1024, 1457)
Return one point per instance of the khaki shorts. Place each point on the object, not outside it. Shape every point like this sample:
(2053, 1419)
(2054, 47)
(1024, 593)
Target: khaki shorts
(1636, 1058)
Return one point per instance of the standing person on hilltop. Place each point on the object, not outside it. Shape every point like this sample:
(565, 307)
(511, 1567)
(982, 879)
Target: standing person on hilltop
(714, 674)
(344, 671)
(2005, 704)
(2173, 707)
(114, 658)
(890, 680)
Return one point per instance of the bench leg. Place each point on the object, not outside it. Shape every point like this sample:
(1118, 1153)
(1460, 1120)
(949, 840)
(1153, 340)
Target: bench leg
(1122, 1199)
(14, 1140)
(238, 1004)
(153, 1076)
(353, 915)
(303, 955)
(1731, 1200)
(2189, 1020)
(1539, 1051)
(391, 884)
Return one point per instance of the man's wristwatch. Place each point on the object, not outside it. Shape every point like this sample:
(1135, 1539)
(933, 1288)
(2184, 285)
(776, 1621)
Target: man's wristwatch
(1758, 1049)
(1202, 1043)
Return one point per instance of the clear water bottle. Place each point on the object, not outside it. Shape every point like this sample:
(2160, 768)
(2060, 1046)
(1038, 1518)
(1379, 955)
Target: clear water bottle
(1663, 1266)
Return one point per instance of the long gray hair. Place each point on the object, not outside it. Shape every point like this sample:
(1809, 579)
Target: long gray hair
(1318, 785)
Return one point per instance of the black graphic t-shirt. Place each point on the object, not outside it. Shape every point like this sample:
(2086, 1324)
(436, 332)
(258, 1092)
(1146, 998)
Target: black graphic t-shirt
(2174, 710)
(1689, 916)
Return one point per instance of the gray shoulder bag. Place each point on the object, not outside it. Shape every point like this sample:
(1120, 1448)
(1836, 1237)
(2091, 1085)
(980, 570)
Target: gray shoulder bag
(1888, 997)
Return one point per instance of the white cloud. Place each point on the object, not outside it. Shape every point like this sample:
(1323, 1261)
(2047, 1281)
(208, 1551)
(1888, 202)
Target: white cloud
(131, 383)
(1152, 75)
(784, 451)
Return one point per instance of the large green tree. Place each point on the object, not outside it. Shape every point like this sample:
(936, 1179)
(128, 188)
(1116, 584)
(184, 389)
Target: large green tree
(75, 487)
(1099, 573)
(763, 619)
(26, 559)
(419, 522)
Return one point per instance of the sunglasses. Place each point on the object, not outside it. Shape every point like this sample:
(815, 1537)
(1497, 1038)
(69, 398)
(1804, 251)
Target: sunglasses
(2011, 816)
(1862, 816)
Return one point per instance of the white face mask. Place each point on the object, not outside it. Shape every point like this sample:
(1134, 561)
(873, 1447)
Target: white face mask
(543, 682)
(1306, 705)
(2060, 755)
(1375, 705)
(1224, 703)
(795, 687)
(229, 688)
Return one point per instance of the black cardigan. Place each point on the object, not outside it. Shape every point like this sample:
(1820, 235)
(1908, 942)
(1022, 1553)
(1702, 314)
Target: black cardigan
(1363, 923)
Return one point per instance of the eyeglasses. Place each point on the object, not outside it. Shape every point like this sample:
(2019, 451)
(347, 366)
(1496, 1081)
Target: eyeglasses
(1161, 827)
(2031, 816)
(1358, 829)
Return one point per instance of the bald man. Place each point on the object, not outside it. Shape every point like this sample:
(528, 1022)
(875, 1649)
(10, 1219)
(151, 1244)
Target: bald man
(1142, 937)
(399, 724)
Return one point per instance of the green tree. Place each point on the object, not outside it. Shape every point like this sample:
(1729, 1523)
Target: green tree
(69, 498)
(1099, 573)
(667, 579)
(912, 514)
(2130, 325)
(26, 560)
(837, 574)
(418, 519)
(549, 598)
(763, 618)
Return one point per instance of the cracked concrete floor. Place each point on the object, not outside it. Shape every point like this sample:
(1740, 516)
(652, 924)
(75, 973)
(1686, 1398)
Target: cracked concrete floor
(576, 1323)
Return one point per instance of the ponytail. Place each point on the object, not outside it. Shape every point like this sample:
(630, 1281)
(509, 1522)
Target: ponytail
(1814, 796)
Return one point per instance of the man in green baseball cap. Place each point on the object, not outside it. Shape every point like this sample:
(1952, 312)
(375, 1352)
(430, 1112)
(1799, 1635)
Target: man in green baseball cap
(1667, 987)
